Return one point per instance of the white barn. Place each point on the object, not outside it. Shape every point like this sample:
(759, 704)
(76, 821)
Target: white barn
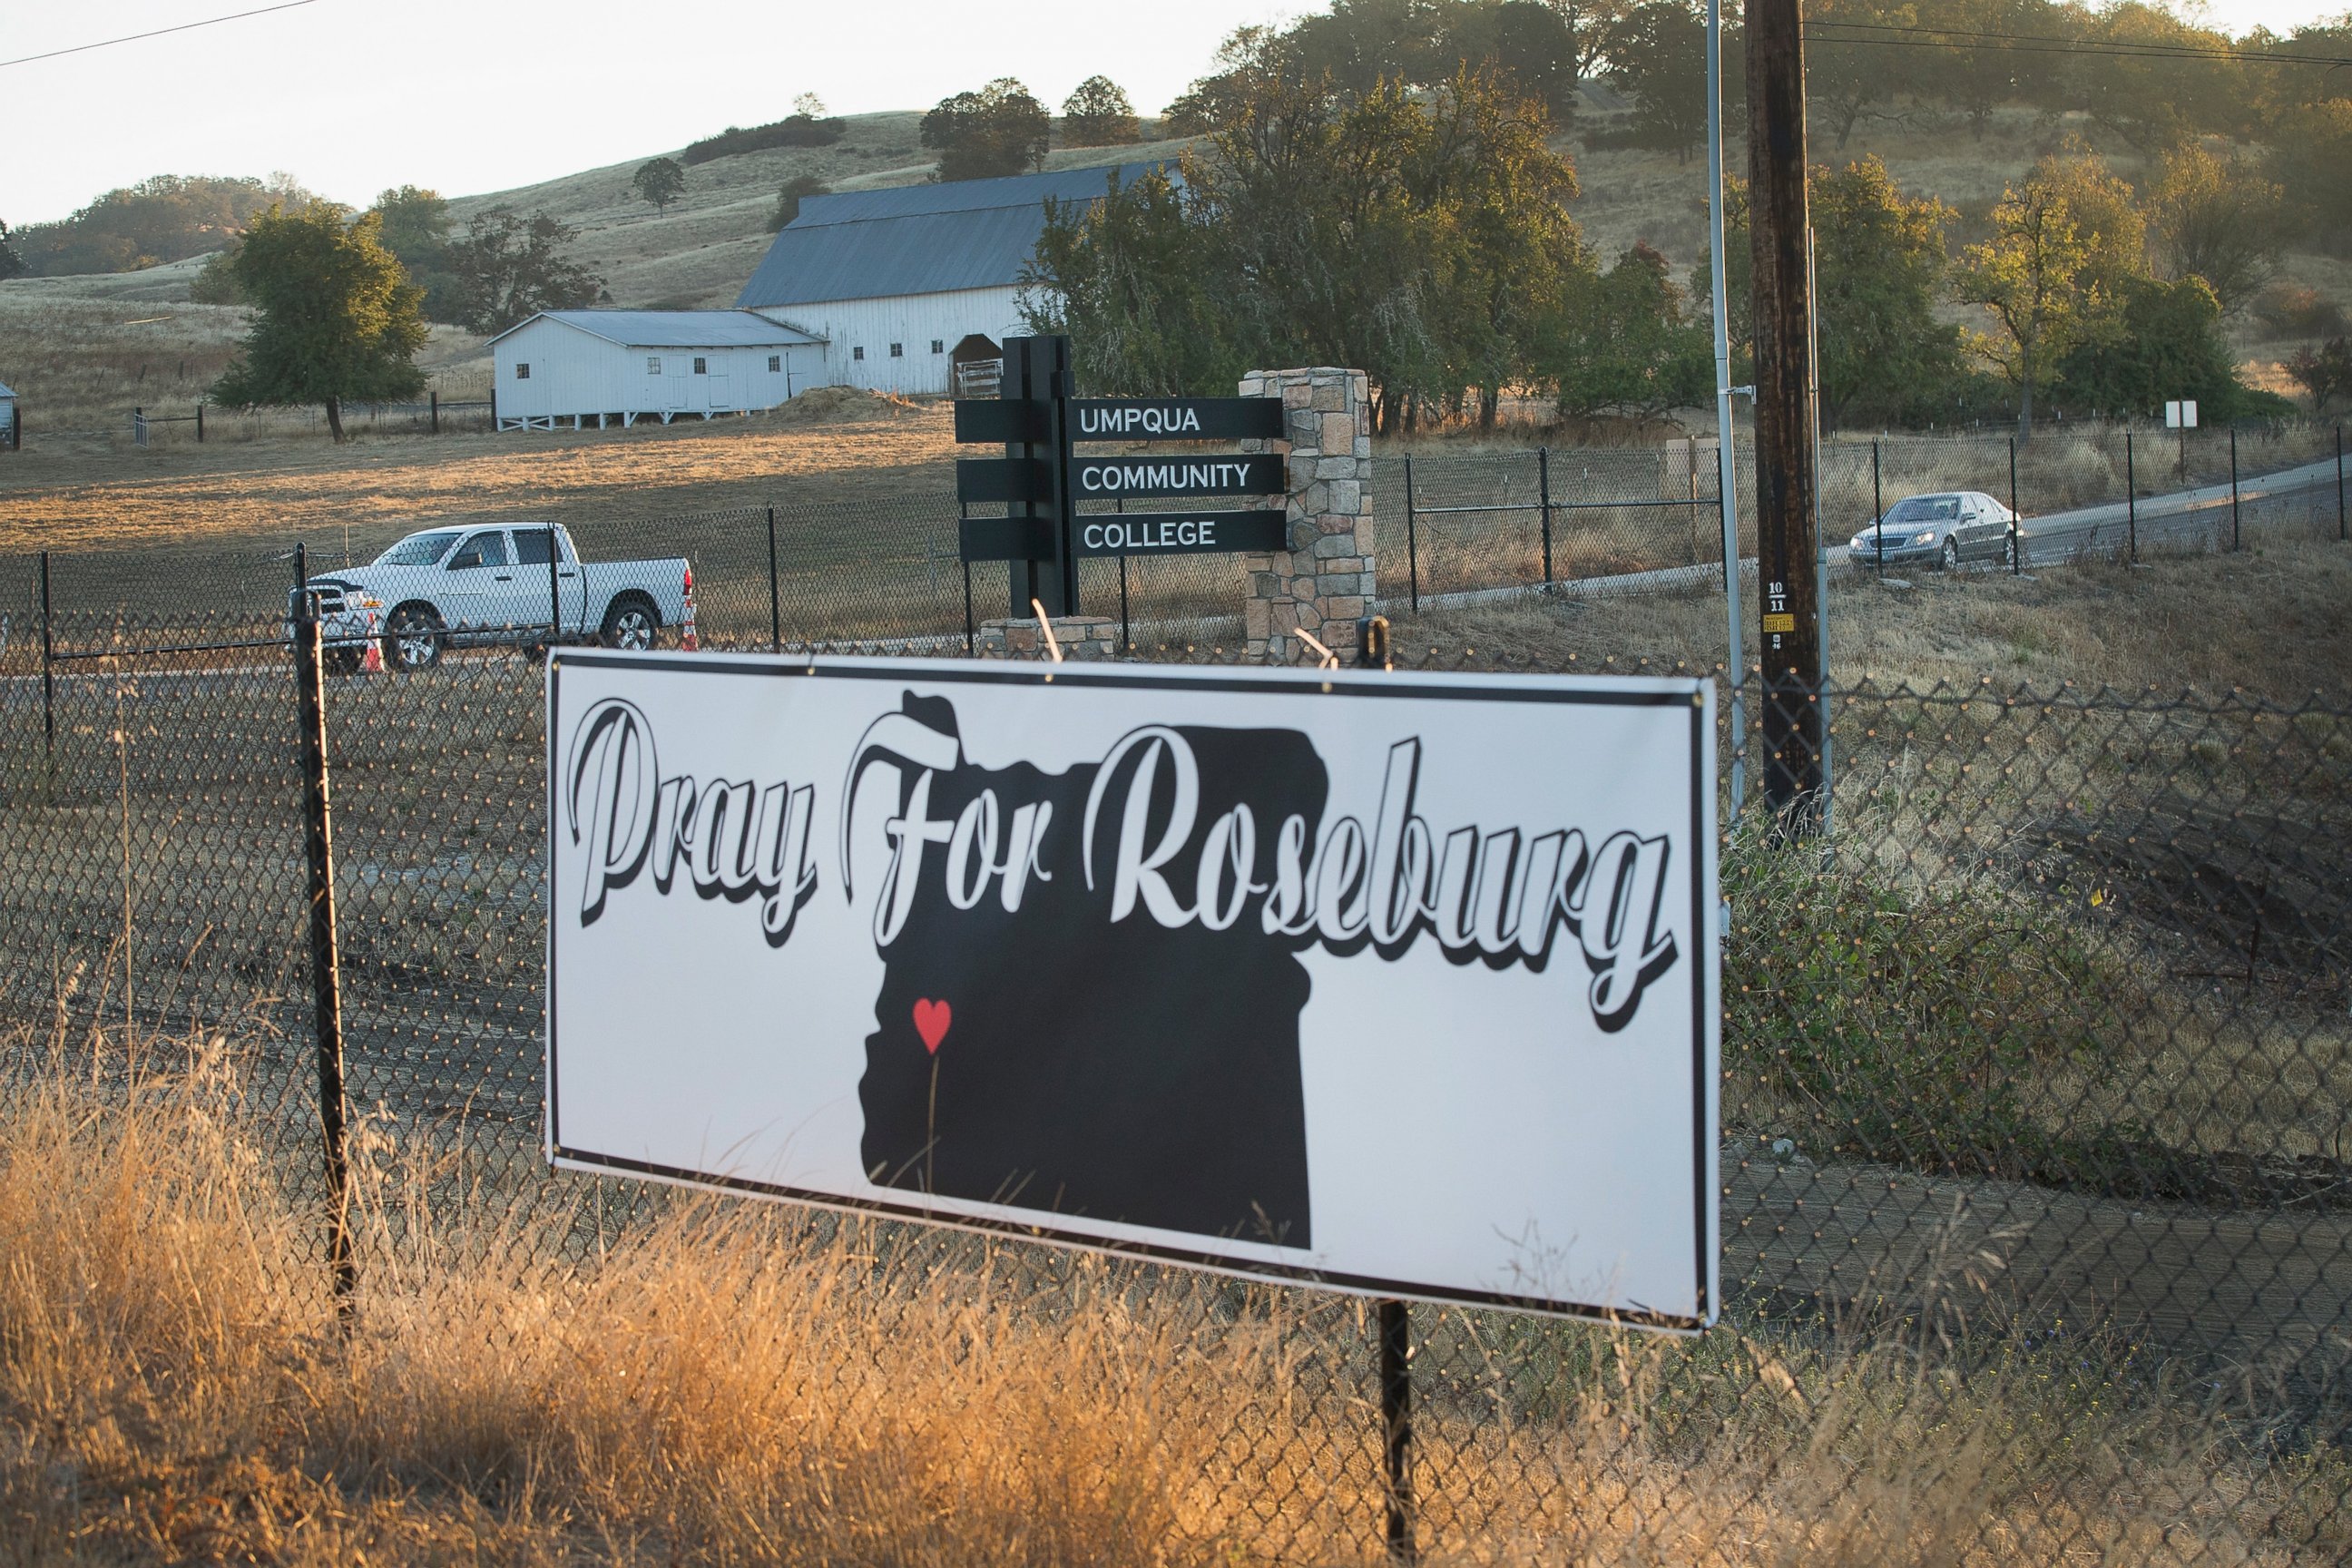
(625, 366)
(907, 283)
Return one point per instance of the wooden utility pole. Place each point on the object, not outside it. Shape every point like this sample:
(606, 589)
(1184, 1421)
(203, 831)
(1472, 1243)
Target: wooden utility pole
(1787, 549)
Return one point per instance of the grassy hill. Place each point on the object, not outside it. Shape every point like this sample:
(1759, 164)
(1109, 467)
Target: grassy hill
(83, 350)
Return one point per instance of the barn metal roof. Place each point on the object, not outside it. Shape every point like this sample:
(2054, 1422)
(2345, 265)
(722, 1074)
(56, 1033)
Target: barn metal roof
(918, 239)
(679, 328)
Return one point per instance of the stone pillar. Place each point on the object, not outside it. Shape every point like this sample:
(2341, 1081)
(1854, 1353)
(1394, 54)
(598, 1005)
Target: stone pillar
(1324, 582)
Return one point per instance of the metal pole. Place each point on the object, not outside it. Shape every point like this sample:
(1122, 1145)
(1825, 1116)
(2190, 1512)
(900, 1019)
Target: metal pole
(2339, 485)
(775, 592)
(555, 595)
(326, 976)
(48, 678)
(1411, 550)
(2016, 545)
(2131, 498)
(1727, 480)
(436, 411)
(200, 424)
(2235, 543)
(1543, 487)
(1125, 632)
(1821, 544)
(1877, 509)
(1396, 1428)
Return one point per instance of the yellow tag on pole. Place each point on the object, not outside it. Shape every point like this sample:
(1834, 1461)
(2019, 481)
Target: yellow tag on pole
(1780, 623)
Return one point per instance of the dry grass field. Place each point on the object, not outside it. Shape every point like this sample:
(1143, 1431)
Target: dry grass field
(2276, 621)
(734, 1383)
(242, 494)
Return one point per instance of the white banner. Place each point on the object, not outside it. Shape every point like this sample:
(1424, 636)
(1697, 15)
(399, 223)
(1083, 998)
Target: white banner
(1397, 983)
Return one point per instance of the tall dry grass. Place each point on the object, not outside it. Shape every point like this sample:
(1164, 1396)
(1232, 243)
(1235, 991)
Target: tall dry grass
(732, 1383)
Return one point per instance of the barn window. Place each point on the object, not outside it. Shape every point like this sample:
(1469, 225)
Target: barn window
(857, 352)
(653, 364)
(776, 364)
(897, 350)
(938, 346)
(522, 372)
(701, 366)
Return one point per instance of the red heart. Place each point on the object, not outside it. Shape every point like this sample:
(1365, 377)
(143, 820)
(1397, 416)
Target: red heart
(931, 1021)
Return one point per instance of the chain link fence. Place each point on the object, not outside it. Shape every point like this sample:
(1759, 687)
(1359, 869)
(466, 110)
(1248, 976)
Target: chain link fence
(2037, 1204)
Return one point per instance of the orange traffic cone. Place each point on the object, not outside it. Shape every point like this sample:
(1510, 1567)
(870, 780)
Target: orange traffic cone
(372, 662)
(686, 640)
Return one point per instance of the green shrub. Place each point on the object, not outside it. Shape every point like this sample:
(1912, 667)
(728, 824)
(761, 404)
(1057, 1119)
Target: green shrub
(1912, 1027)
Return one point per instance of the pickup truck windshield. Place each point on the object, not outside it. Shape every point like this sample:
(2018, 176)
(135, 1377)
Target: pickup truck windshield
(419, 550)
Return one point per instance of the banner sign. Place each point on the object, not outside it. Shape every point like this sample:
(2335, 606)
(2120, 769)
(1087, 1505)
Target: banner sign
(1399, 984)
(1254, 533)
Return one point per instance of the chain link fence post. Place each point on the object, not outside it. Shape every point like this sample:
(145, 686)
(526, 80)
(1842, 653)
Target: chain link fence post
(2016, 539)
(775, 592)
(2131, 500)
(326, 971)
(2237, 541)
(1543, 488)
(1411, 550)
(48, 683)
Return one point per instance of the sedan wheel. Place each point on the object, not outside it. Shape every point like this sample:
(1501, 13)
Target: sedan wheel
(1951, 555)
(630, 628)
(412, 638)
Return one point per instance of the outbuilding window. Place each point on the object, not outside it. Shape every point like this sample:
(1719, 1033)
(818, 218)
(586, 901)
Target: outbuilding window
(522, 372)
(938, 346)
(776, 364)
(701, 366)
(653, 364)
(857, 352)
(897, 350)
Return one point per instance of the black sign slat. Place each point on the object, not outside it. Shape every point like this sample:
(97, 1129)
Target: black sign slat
(1210, 474)
(1254, 533)
(983, 480)
(1006, 539)
(1171, 419)
(999, 420)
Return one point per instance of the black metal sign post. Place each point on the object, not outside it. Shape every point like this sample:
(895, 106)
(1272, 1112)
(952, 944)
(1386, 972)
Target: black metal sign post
(1039, 481)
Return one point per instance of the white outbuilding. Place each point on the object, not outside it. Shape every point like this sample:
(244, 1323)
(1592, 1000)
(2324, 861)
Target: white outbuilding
(621, 366)
(914, 288)
(7, 415)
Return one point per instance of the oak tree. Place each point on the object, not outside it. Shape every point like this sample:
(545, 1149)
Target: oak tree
(337, 316)
(1097, 114)
(999, 129)
(659, 181)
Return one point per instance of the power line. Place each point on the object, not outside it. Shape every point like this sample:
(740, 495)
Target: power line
(2053, 43)
(134, 37)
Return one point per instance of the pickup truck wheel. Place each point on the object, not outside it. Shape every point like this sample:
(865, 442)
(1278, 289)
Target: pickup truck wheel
(412, 639)
(632, 624)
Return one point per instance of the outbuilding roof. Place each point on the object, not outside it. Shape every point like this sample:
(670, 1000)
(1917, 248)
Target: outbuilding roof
(918, 239)
(679, 328)
(6, 390)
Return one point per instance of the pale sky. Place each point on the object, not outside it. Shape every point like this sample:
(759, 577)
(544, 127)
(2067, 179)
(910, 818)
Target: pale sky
(351, 96)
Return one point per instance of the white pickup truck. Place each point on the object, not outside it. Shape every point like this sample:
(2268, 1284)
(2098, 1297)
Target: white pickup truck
(452, 586)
